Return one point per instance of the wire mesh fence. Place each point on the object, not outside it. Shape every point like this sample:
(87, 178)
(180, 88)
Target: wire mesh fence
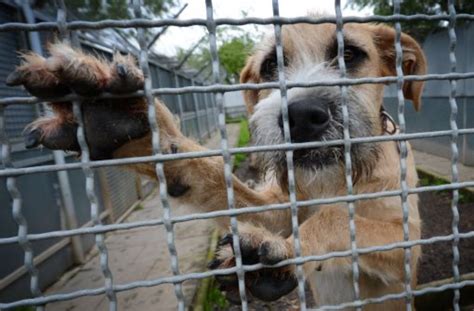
(110, 288)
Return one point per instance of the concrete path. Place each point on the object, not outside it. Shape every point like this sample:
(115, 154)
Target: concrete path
(441, 167)
(142, 254)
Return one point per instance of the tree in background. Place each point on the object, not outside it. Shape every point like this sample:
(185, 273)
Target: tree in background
(234, 46)
(418, 29)
(233, 55)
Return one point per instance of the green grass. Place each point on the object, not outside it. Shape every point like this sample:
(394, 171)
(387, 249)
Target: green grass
(233, 120)
(139, 207)
(244, 139)
(215, 299)
(465, 196)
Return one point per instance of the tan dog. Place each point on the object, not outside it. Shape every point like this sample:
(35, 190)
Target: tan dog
(118, 128)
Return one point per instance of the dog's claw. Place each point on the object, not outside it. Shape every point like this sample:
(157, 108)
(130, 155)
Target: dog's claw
(121, 71)
(174, 148)
(227, 239)
(214, 264)
(33, 139)
(15, 78)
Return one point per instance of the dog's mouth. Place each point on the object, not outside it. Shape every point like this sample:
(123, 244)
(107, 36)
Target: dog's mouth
(319, 157)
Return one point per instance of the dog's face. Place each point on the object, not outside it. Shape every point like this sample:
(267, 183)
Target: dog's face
(315, 114)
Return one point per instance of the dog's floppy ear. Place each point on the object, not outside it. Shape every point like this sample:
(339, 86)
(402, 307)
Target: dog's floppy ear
(250, 75)
(414, 62)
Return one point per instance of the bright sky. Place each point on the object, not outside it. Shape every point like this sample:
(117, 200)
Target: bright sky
(186, 37)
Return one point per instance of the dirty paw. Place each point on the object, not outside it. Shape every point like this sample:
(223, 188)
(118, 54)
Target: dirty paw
(108, 123)
(257, 246)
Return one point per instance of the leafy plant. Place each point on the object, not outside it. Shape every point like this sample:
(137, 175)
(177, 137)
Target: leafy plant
(244, 139)
(418, 29)
(234, 46)
(215, 299)
(465, 196)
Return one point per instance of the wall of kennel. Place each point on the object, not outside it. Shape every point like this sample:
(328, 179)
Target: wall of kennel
(436, 93)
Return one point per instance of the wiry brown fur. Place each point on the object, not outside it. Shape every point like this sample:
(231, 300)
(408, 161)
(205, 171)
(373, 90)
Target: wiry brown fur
(323, 228)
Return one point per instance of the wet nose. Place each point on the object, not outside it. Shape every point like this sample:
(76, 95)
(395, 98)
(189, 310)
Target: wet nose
(308, 119)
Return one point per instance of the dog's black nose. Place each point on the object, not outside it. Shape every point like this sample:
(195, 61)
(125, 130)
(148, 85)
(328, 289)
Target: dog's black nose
(308, 119)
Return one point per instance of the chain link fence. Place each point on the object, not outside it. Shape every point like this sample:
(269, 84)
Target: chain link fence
(110, 288)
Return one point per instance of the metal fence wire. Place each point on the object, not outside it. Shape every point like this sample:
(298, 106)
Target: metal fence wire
(110, 288)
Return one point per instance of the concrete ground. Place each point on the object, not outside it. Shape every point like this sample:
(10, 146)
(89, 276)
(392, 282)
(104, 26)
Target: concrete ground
(142, 254)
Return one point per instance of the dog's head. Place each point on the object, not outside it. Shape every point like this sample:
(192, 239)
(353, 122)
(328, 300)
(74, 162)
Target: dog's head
(315, 114)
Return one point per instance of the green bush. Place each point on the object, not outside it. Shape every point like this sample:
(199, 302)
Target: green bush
(215, 299)
(244, 139)
(426, 179)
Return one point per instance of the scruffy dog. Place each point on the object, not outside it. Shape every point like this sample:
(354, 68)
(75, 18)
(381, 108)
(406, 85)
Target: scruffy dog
(118, 128)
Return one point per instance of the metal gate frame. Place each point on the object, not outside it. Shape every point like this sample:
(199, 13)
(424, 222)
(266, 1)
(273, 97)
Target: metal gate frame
(110, 288)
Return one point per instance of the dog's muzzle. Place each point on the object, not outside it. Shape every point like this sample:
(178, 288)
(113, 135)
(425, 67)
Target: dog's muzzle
(308, 119)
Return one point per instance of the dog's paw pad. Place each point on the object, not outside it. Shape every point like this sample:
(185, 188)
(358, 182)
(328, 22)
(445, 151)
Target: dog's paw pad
(273, 284)
(257, 246)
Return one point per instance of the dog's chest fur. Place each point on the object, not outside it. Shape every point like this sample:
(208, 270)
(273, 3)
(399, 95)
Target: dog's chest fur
(331, 287)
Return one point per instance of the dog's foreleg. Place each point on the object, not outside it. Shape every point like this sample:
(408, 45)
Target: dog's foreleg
(328, 231)
(200, 182)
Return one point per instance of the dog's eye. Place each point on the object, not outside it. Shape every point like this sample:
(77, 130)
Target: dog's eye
(348, 55)
(269, 67)
(353, 55)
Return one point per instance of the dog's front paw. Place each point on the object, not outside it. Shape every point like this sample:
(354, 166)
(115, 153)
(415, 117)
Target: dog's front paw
(108, 123)
(257, 246)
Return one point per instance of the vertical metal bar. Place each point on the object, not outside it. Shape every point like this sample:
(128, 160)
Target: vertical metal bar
(209, 112)
(17, 212)
(154, 126)
(214, 115)
(63, 177)
(94, 207)
(454, 152)
(180, 106)
(211, 27)
(347, 151)
(196, 112)
(289, 154)
(90, 176)
(206, 107)
(403, 155)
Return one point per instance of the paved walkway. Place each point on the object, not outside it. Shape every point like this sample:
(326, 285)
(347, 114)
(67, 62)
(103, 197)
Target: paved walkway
(142, 254)
(441, 167)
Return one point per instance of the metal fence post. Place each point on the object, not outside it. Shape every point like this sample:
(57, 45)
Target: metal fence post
(184, 128)
(206, 107)
(63, 177)
(196, 112)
